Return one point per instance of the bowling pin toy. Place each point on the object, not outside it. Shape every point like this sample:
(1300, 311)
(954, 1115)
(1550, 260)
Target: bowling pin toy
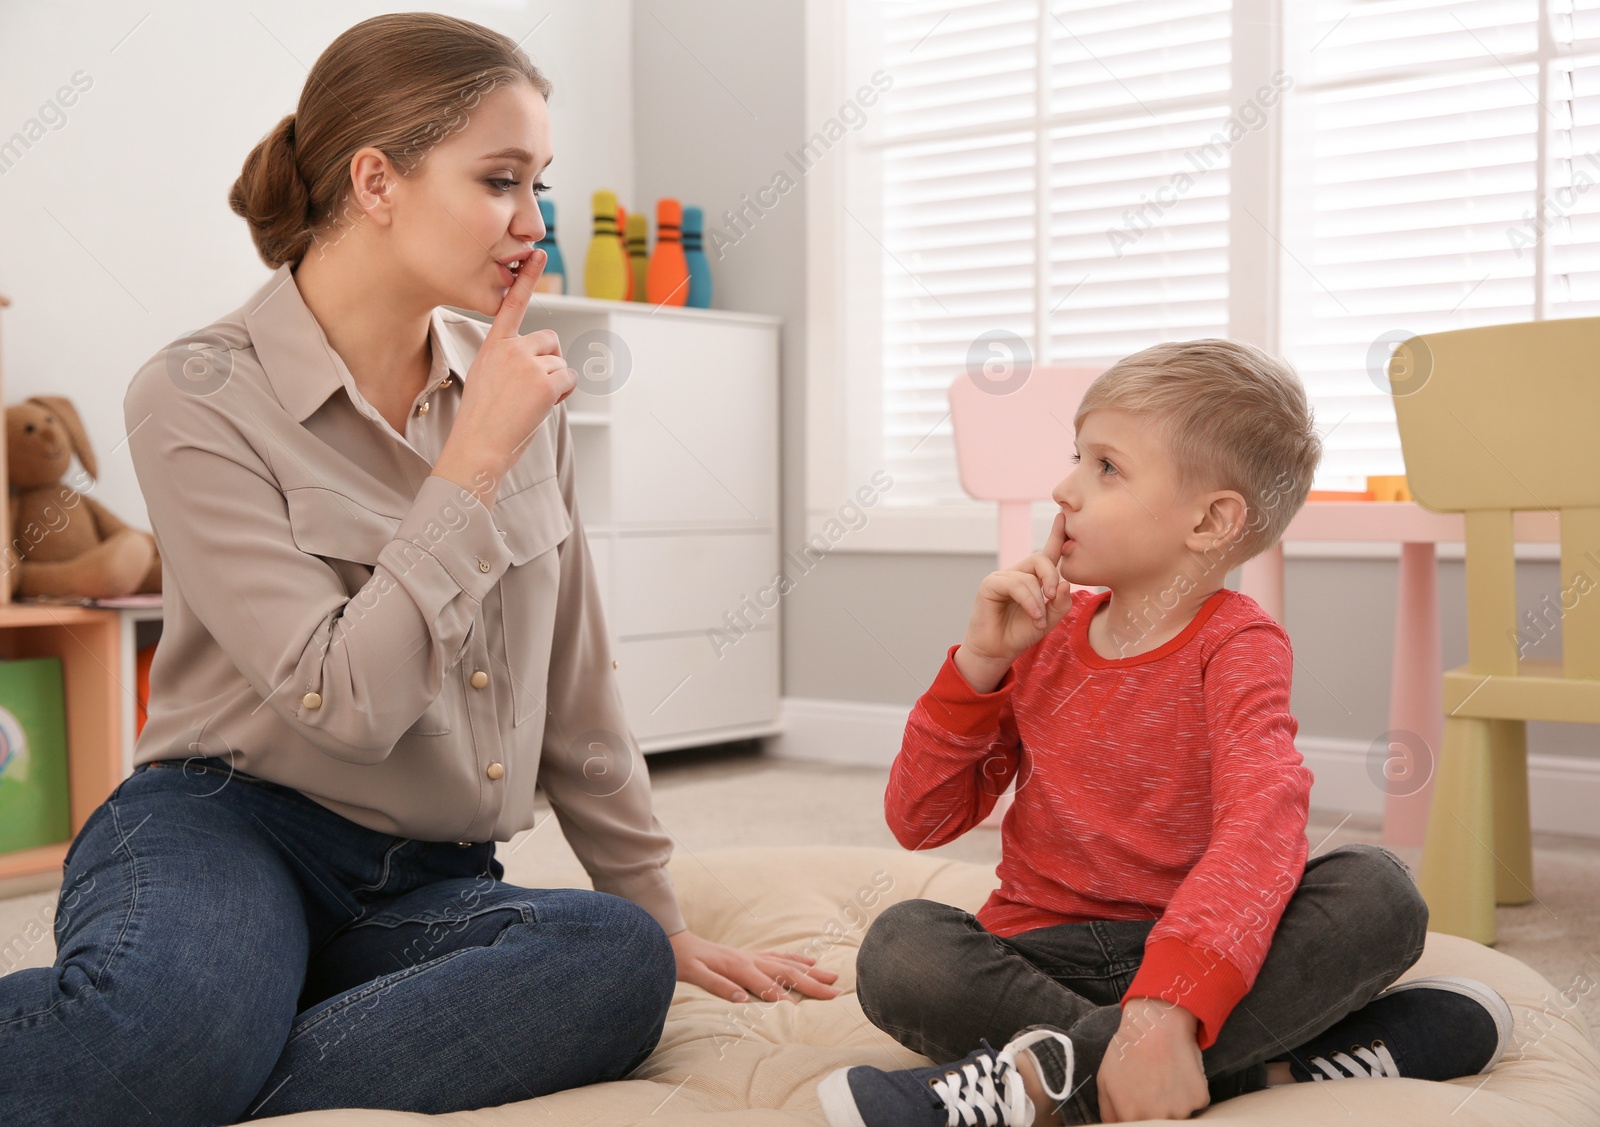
(668, 275)
(622, 241)
(638, 260)
(605, 269)
(695, 254)
(554, 278)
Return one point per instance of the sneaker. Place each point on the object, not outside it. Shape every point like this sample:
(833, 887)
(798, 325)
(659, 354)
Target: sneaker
(982, 1088)
(1434, 1028)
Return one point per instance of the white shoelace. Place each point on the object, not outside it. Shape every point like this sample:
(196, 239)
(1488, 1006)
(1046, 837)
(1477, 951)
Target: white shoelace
(970, 1091)
(1377, 1063)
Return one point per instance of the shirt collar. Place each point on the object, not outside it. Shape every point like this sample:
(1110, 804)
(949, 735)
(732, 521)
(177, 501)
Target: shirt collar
(295, 353)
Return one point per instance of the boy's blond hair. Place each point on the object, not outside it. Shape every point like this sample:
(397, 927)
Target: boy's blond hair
(1231, 417)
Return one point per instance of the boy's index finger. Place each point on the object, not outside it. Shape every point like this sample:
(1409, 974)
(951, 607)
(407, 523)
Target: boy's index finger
(1057, 537)
(508, 319)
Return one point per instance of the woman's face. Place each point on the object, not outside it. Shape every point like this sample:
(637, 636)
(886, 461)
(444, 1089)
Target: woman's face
(472, 201)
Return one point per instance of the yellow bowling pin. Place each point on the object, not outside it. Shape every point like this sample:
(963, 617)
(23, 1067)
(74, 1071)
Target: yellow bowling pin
(638, 260)
(605, 270)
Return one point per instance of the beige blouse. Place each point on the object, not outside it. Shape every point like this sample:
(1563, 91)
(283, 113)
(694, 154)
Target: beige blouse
(341, 621)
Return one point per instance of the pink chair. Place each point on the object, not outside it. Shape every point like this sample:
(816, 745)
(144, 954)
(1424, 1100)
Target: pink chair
(1014, 448)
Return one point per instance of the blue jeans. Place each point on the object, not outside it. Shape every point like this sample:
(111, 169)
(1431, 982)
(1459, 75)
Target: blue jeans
(227, 949)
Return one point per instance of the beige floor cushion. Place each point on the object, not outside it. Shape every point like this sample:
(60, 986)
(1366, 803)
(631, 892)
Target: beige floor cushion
(720, 1064)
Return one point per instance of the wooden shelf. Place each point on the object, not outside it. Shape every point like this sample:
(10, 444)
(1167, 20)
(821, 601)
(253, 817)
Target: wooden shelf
(27, 862)
(87, 640)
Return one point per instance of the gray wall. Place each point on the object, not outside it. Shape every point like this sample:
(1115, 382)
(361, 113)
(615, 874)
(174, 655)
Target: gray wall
(736, 73)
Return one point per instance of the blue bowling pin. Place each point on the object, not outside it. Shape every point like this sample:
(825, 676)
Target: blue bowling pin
(699, 265)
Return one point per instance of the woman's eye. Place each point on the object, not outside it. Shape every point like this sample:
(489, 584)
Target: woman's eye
(504, 184)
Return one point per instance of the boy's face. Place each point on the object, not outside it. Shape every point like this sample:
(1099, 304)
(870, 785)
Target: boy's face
(1126, 524)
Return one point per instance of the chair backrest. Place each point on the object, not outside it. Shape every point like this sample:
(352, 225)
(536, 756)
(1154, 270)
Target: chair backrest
(1501, 418)
(1014, 447)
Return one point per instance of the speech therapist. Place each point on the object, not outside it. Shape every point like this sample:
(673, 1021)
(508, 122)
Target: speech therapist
(382, 630)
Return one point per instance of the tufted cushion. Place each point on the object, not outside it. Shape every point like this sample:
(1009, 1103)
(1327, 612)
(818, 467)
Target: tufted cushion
(758, 1064)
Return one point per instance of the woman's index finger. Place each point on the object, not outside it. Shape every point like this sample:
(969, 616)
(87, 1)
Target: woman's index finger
(508, 319)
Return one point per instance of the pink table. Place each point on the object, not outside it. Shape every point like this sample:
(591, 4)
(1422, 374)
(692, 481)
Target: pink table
(1416, 679)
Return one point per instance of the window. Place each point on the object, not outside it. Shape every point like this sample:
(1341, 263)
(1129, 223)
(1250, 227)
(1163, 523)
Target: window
(1060, 180)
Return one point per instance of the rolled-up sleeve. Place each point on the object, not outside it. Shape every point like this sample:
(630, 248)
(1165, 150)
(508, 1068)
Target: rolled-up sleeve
(375, 659)
(590, 766)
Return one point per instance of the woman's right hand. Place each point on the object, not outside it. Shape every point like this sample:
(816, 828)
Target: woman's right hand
(514, 383)
(1015, 608)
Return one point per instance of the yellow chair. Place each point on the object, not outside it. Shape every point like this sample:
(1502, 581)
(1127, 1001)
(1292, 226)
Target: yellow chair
(1493, 420)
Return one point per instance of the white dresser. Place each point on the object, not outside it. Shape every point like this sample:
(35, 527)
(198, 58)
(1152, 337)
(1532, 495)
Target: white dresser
(675, 426)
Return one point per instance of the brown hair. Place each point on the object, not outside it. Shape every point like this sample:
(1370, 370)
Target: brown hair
(399, 82)
(1232, 416)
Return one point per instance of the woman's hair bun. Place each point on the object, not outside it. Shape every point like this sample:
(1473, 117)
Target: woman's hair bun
(272, 196)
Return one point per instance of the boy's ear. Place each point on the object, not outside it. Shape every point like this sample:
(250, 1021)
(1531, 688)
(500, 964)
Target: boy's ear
(1223, 525)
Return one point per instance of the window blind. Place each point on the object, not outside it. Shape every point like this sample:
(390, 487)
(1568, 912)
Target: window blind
(1453, 183)
(1441, 169)
(1569, 220)
(1019, 150)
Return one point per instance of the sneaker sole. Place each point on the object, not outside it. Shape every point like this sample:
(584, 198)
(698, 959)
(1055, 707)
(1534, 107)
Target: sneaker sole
(837, 1102)
(1484, 995)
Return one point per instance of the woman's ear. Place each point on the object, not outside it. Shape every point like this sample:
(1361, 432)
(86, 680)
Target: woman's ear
(372, 179)
(62, 408)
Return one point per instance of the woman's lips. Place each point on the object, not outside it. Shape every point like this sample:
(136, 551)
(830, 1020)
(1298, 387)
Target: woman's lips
(506, 276)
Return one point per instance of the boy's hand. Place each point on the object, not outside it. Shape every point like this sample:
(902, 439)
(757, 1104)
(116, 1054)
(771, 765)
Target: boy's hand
(1152, 1068)
(1014, 609)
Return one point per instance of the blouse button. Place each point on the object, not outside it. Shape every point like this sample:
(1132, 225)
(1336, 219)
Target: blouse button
(423, 410)
(480, 679)
(494, 770)
(483, 565)
(312, 700)
(613, 663)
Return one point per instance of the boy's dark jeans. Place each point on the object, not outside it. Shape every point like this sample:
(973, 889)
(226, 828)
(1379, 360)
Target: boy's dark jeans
(932, 978)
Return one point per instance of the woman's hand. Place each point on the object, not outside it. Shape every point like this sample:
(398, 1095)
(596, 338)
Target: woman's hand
(730, 972)
(514, 383)
(1014, 609)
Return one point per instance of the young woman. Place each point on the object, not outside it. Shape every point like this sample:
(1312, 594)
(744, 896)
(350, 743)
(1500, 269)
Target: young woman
(382, 630)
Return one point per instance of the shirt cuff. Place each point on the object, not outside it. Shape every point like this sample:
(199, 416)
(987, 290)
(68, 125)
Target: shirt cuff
(1205, 985)
(454, 527)
(958, 708)
(652, 891)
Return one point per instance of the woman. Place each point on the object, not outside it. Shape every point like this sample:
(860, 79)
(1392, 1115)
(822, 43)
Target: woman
(382, 629)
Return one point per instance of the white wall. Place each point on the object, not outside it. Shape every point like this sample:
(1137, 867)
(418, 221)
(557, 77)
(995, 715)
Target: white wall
(115, 231)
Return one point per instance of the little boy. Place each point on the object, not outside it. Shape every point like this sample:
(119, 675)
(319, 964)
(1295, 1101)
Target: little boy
(1159, 939)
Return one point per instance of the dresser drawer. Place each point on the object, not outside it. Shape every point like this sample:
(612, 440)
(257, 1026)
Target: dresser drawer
(672, 685)
(669, 584)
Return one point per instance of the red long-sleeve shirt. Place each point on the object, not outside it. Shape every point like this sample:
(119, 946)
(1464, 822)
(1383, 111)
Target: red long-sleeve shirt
(1162, 786)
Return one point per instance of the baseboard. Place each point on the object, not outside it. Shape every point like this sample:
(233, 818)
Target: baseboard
(1563, 790)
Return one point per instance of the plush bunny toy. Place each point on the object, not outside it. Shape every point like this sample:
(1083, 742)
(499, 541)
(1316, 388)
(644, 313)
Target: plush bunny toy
(62, 541)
